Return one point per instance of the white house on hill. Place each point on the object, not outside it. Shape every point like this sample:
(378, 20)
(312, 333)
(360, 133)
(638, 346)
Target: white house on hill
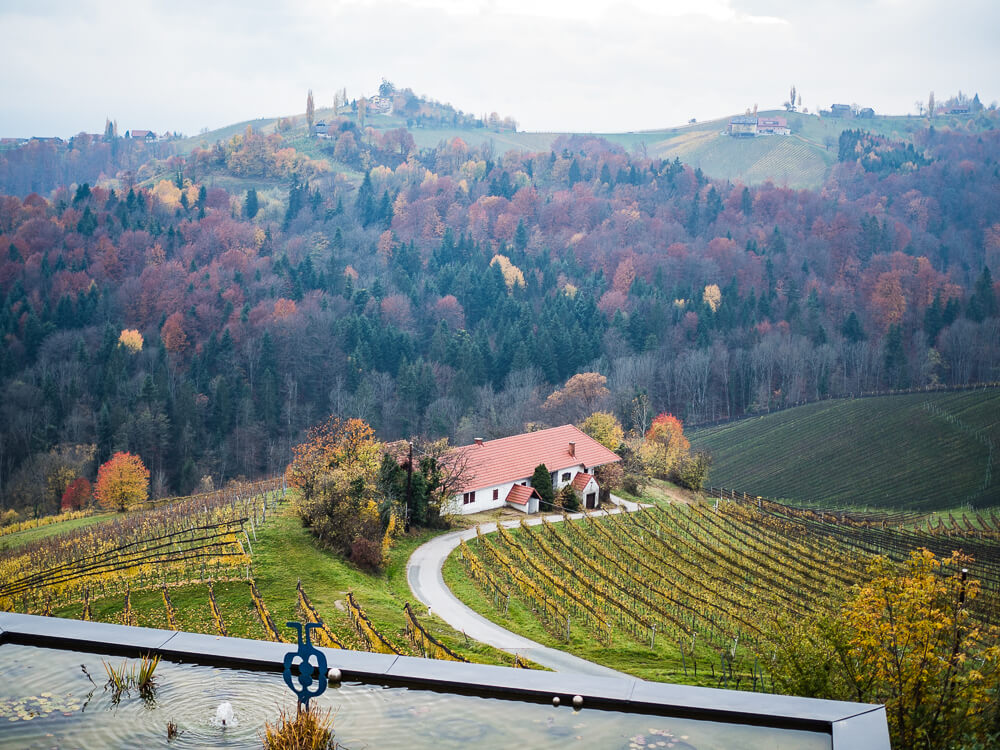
(498, 472)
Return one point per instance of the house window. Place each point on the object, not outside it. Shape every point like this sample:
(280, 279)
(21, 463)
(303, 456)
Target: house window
(469, 497)
(565, 476)
(496, 494)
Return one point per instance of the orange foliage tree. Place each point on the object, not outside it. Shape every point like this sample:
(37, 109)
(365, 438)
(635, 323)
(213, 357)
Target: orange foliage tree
(172, 334)
(665, 445)
(122, 481)
(583, 394)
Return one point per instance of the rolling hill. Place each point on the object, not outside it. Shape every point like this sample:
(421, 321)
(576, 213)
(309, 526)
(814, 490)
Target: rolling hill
(917, 451)
(801, 160)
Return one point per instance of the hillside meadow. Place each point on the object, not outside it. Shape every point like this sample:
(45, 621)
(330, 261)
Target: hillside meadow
(916, 451)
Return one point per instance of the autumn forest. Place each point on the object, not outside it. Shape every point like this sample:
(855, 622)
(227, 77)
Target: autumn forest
(202, 308)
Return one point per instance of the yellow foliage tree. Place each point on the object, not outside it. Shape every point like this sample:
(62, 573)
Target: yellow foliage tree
(909, 639)
(605, 428)
(712, 296)
(512, 275)
(168, 193)
(121, 482)
(131, 339)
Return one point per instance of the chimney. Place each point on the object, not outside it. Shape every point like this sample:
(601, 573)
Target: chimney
(479, 441)
(572, 447)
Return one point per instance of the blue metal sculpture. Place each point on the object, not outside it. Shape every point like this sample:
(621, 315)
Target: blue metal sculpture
(307, 671)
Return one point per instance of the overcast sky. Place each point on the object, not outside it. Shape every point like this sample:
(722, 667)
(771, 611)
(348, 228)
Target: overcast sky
(566, 65)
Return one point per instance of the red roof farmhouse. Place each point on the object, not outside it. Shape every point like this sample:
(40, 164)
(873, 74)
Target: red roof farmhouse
(498, 472)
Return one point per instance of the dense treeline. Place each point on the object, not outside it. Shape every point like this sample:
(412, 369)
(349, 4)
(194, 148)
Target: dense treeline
(449, 293)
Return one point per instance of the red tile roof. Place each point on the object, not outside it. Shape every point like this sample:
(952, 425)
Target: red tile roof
(521, 495)
(581, 480)
(514, 458)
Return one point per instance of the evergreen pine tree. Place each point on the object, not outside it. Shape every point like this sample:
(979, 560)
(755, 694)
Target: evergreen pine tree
(541, 480)
(251, 206)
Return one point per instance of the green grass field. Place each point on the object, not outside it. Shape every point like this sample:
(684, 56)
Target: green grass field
(27, 536)
(915, 451)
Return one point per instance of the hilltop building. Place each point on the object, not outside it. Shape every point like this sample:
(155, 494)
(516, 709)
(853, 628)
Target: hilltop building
(381, 105)
(751, 126)
(840, 110)
(498, 472)
(772, 126)
(743, 126)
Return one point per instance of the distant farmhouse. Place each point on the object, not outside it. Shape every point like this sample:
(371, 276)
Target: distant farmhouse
(751, 126)
(772, 126)
(140, 135)
(840, 110)
(381, 105)
(497, 473)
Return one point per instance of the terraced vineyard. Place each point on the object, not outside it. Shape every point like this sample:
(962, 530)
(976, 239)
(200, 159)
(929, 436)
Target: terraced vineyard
(190, 565)
(689, 590)
(914, 451)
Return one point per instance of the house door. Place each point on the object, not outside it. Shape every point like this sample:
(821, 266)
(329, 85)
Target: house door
(591, 500)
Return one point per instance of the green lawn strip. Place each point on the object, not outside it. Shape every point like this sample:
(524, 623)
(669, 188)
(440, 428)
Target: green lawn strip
(238, 610)
(655, 492)
(18, 538)
(285, 553)
(193, 612)
(149, 610)
(662, 663)
(106, 609)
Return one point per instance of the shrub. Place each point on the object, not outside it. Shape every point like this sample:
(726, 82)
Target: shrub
(568, 498)
(307, 729)
(634, 484)
(692, 471)
(366, 553)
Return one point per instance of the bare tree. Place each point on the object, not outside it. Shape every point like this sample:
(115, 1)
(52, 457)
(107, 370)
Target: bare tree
(311, 112)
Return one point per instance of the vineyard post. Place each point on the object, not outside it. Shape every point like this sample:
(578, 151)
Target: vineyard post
(254, 530)
(652, 640)
(567, 627)
(506, 603)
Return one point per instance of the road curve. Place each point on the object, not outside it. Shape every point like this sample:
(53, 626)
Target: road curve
(423, 573)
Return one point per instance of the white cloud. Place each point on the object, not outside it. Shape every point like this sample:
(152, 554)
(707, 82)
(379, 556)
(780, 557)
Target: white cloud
(552, 64)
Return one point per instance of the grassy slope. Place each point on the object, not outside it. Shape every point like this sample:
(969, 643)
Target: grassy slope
(887, 452)
(285, 553)
(41, 532)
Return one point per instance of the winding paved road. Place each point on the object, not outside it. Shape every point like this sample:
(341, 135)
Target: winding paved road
(423, 572)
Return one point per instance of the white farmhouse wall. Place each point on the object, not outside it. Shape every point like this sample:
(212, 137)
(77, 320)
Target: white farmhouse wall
(484, 497)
